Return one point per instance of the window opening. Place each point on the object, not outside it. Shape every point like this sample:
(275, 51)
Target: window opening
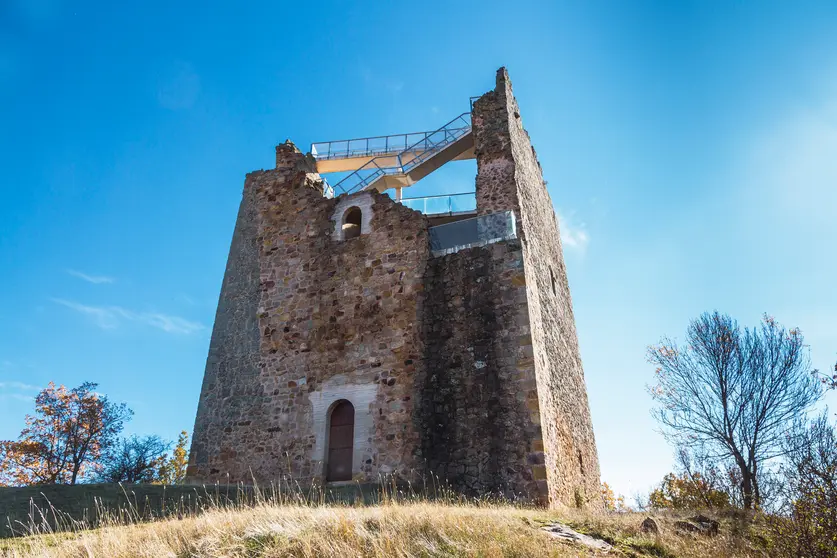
(351, 223)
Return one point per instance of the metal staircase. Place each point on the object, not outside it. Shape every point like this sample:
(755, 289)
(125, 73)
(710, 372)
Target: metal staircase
(398, 161)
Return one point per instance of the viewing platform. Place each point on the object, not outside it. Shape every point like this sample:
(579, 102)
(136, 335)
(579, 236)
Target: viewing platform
(395, 161)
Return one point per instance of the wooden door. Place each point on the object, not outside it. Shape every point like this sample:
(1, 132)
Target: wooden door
(340, 437)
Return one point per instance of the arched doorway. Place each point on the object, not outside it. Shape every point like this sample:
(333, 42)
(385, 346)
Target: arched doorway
(341, 433)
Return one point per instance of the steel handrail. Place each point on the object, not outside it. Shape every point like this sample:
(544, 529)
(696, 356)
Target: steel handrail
(450, 197)
(377, 151)
(412, 163)
(440, 196)
(348, 141)
(428, 152)
(442, 128)
(327, 153)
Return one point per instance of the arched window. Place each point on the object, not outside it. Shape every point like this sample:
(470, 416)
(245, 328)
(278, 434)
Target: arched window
(351, 223)
(341, 432)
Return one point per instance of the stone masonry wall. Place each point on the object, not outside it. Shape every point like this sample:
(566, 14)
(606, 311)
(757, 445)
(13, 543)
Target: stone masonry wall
(231, 394)
(336, 319)
(478, 410)
(510, 177)
(465, 366)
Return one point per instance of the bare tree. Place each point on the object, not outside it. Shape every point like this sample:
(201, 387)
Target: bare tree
(808, 526)
(730, 394)
(135, 460)
(829, 380)
(812, 461)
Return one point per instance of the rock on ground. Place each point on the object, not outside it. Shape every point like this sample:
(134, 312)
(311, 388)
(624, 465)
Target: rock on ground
(698, 524)
(649, 526)
(561, 531)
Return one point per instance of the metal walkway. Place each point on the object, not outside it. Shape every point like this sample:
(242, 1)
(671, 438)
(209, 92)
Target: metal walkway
(398, 161)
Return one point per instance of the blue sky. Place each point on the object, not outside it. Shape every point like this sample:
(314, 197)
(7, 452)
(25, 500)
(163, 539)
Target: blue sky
(690, 150)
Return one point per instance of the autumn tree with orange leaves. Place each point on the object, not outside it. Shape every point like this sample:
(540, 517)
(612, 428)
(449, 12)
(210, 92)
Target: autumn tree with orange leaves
(611, 501)
(687, 491)
(65, 437)
(174, 469)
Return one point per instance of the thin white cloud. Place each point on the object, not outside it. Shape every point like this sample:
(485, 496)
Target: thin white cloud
(187, 300)
(170, 324)
(17, 396)
(110, 317)
(573, 235)
(105, 318)
(19, 391)
(20, 386)
(95, 279)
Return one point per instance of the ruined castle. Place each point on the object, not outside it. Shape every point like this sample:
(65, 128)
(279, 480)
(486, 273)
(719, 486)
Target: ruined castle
(358, 338)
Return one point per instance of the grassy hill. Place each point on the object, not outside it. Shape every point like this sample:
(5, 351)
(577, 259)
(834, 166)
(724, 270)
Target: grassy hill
(420, 528)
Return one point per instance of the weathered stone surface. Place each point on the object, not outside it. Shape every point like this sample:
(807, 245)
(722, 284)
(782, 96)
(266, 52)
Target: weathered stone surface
(698, 524)
(708, 525)
(561, 531)
(464, 366)
(478, 405)
(687, 527)
(649, 526)
(509, 177)
(335, 320)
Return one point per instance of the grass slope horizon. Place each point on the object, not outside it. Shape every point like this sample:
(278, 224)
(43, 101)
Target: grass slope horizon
(390, 528)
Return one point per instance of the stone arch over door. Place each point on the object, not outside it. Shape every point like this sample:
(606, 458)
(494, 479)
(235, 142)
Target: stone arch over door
(322, 401)
(340, 442)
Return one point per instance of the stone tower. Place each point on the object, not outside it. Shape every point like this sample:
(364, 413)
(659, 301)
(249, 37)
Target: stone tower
(356, 337)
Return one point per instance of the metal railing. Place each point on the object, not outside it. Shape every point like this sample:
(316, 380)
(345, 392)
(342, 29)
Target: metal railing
(415, 154)
(449, 204)
(443, 137)
(364, 176)
(360, 147)
(468, 233)
(371, 146)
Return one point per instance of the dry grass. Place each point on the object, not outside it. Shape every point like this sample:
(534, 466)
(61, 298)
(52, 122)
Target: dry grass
(392, 528)
(738, 538)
